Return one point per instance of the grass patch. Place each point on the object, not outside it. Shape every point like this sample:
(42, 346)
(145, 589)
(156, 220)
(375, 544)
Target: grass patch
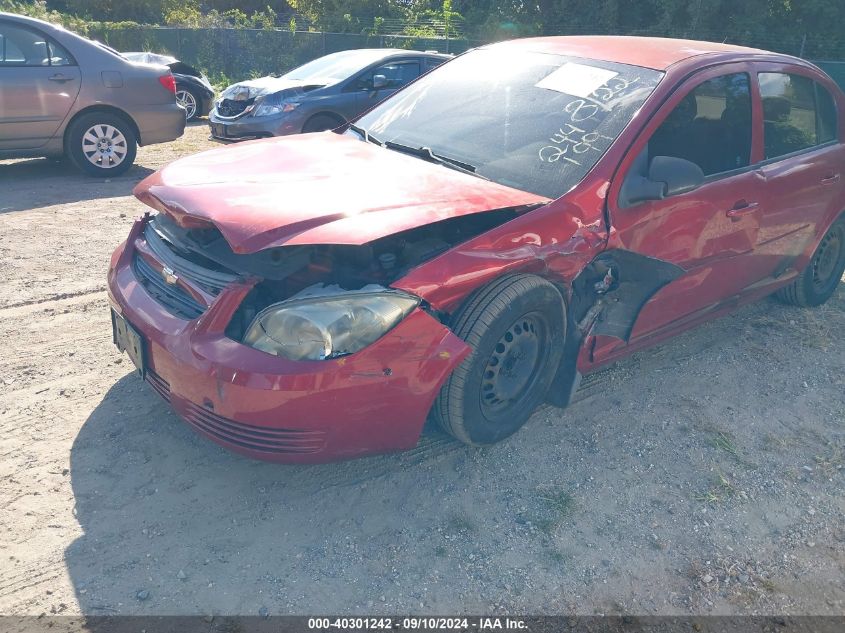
(461, 524)
(558, 505)
(560, 502)
(832, 462)
(724, 442)
(720, 491)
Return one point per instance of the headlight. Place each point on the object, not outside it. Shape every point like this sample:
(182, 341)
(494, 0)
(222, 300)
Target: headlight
(268, 107)
(327, 326)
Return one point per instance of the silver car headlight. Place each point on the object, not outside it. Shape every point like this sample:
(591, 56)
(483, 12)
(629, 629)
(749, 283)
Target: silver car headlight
(269, 106)
(330, 325)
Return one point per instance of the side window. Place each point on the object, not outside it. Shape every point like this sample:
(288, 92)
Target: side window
(23, 47)
(59, 55)
(826, 108)
(432, 63)
(711, 126)
(396, 73)
(790, 123)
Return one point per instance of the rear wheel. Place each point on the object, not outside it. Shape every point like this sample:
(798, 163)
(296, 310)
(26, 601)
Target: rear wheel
(818, 281)
(188, 100)
(101, 144)
(321, 123)
(515, 327)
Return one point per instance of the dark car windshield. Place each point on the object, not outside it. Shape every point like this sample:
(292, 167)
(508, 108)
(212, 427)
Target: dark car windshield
(335, 67)
(533, 121)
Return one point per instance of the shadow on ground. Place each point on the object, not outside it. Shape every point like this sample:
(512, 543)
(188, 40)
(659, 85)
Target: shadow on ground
(41, 182)
(603, 509)
(166, 513)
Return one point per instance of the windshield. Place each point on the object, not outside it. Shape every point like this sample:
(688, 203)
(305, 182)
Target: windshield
(533, 121)
(335, 67)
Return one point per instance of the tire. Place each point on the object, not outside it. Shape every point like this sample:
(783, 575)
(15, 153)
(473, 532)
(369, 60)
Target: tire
(819, 279)
(516, 328)
(189, 100)
(102, 130)
(321, 123)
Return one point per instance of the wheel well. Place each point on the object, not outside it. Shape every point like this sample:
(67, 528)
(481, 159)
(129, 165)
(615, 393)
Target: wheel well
(102, 108)
(332, 115)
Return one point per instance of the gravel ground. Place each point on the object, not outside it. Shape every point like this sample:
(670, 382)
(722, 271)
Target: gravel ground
(704, 476)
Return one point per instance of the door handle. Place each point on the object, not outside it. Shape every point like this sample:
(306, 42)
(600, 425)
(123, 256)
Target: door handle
(60, 78)
(742, 208)
(830, 179)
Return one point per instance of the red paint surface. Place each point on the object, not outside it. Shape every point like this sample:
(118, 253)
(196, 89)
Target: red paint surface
(658, 53)
(296, 190)
(331, 189)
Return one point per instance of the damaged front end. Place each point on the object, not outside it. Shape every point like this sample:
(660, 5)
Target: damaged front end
(295, 354)
(308, 302)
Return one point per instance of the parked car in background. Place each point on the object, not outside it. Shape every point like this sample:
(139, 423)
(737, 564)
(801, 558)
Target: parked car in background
(193, 90)
(320, 95)
(62, 94)
(527, 213)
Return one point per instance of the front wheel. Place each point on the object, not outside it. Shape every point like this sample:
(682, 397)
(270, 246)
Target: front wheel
(515, 327)
(818, 281)
(102, 144)
(321, 123)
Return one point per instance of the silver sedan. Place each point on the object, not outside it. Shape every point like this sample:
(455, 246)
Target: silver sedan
(61, 94)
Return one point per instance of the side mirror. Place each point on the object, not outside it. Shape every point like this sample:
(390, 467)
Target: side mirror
(667, 176)
(379, 81)
(677, 174)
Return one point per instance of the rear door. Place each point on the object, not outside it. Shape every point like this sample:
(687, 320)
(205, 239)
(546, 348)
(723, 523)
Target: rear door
(803, 163)
(710, 232)
(39, 82)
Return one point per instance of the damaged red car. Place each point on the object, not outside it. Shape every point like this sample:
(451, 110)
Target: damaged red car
(473, 245)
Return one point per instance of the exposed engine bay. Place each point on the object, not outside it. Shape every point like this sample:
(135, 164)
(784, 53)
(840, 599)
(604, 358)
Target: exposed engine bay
(285, 271)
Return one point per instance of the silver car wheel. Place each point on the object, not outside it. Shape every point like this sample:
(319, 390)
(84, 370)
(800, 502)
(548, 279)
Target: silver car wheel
(185, 99)
(104, 146)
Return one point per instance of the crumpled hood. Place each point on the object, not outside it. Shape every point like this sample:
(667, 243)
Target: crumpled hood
(316, 189)
(263, 86)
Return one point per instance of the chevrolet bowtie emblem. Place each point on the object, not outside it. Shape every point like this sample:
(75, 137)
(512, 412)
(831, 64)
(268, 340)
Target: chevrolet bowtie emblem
(170, 277)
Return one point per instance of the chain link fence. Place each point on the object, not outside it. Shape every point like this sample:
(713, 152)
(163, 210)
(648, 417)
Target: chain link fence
(236, 54)
(229, 54)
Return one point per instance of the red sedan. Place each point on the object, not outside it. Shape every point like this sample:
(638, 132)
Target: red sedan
(468, 248)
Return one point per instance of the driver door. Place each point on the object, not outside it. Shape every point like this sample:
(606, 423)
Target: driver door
(396, 74)
(710, 232)
(39, 82)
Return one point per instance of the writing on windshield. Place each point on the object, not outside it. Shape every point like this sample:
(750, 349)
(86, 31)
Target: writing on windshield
(533, 121)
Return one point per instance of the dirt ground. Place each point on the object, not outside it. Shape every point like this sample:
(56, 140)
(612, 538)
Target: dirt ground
(704, 476)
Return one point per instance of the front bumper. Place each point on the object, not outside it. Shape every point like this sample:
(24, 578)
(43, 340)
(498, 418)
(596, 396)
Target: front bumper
(270, 408)
(249, 127)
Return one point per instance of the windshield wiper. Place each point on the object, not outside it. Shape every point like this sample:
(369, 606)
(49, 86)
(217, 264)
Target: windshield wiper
(428, 154)
(365, 135)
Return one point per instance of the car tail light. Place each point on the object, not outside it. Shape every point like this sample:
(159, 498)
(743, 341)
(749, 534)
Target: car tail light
(168, 82)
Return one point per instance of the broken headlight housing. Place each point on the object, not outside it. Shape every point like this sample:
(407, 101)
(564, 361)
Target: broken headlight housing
(327, 323)
(273, 104)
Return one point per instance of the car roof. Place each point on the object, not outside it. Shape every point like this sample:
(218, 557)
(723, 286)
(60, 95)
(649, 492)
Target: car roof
(377, 53)
(658, 53)
(25, 19)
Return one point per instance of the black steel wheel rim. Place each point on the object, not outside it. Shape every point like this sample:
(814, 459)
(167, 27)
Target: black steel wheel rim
(827, 259)
(514, 365)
